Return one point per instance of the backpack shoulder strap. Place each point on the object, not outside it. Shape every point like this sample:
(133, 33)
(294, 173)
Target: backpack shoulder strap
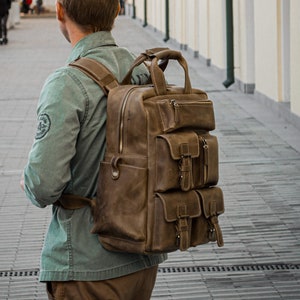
(97, 71)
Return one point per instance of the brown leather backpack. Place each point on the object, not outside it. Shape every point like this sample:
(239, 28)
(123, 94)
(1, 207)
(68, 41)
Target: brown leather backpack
(157, 183)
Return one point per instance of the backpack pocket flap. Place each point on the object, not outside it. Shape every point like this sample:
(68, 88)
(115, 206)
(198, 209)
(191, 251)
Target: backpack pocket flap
(212, 201)
(183, 144)
(177, 113)
(180, 205)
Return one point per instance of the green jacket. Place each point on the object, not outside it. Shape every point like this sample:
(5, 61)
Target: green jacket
(69, 144)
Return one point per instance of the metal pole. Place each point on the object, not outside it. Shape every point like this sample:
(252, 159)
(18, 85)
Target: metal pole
(230, 50)
(145, 14)
(133, 8)
(167, 37)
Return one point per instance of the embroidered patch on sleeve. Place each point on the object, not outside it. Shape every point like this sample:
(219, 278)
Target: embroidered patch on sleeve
(44, 125)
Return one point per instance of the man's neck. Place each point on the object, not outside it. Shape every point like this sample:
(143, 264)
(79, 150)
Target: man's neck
(75, 34)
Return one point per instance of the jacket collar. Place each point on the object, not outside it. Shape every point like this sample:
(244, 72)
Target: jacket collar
(88, 44)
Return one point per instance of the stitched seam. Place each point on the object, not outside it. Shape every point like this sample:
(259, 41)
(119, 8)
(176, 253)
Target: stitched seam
(69, 245)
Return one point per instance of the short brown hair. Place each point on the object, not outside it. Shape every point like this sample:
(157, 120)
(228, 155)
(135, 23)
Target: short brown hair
(92, 15)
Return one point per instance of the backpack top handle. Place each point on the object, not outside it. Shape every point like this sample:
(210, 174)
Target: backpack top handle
(159, 58)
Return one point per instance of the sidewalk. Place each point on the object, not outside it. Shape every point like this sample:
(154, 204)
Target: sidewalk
(259, 174)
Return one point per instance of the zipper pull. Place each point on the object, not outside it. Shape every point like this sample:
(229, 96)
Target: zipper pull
(205, 159)
(176, 108)
(205, 151)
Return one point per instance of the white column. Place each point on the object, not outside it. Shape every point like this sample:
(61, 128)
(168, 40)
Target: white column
(286, 81)
(295, 57)
(266, 48)
(244, 44)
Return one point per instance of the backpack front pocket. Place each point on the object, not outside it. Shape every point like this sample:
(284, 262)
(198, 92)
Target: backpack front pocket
(172, 226)
(187, 219)
(178, 114)
(186, 160)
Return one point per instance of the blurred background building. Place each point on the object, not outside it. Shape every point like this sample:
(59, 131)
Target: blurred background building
(254, 44)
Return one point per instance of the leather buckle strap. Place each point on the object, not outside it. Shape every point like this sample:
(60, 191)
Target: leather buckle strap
(97, 71)
(183, 227)
(186, 175)
(219, 236)
(69, 201)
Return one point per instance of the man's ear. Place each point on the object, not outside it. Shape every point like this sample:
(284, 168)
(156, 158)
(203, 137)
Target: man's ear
(60, 13)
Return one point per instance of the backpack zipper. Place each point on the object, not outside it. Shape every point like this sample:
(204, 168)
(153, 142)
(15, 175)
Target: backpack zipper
(176, 107)
(205, 158)
(121, 127)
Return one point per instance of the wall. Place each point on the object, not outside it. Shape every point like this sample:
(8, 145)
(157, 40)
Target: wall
(244, 44)
(295, 56)
(266, 52)
(204, 30)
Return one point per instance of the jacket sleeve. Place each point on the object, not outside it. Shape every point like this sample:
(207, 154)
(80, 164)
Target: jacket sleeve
(60, 113)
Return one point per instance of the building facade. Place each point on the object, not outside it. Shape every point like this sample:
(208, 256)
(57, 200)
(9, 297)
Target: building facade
(256, 43)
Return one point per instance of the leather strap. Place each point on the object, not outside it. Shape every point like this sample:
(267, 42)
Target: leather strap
(186, 168)
(107, 81)
(97, 71)
(69, 201)
(158, 58)
(142, 58)
(218, 231)
(183, 228)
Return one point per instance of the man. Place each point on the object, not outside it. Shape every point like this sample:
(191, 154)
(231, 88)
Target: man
(4, 12)
(122, 5)
(68, 146)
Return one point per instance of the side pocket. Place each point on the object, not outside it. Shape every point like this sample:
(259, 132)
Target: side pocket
(206, 166)
(207, 229)
(121, 200)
